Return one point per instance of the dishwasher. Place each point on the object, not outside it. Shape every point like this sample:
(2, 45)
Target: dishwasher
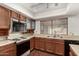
(22, 47)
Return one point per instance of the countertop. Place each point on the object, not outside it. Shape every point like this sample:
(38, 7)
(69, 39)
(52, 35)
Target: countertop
(63, 37)
(9, 41)
(75, 48)
(27, 37)
(5, 42)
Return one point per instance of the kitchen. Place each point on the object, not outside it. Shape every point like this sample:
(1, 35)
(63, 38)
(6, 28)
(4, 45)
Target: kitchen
(39, 29)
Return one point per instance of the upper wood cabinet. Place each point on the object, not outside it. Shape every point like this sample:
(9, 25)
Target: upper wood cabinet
(4, 18)
(14, 15)
(22, 18)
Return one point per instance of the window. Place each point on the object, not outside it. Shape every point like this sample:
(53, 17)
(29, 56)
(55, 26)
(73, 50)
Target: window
(58, 26)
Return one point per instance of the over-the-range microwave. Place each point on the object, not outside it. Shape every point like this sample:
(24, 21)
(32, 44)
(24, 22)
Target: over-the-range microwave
(17, 26)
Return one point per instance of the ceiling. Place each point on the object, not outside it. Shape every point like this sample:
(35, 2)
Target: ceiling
(42, 7)
(40, 11)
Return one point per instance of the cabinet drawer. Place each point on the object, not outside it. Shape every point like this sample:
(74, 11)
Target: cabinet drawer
(8, 53)
(8, 50)
(9, 46)
(59, 41)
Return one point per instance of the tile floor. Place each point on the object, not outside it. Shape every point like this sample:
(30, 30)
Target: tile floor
(40, 53)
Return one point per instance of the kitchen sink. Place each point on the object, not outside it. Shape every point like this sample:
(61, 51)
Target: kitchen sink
(16, 39)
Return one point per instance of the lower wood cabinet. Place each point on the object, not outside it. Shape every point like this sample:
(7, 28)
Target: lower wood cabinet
(59, 49)
(37, 43)
(32, 43)
(8, 50)
(42, 43)
(50, 46)
(55, 46)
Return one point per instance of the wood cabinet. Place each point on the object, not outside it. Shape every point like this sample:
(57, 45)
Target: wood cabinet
(3, 32)
(37, 43)
(55, 46)
(14, 15)
(59, 49)
(50, 45)
(32, 43)
(30, 30)
(22, 18)
(4, 18)
(42, 43)
(8, 50)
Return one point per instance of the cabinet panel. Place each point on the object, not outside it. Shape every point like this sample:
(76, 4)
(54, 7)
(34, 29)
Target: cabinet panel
(50, 46)
(32, 43)
(37, 43)
(22, 18)
(8, 50)
(42, 44)
(14, 15)
(59, 49)
(4, 17)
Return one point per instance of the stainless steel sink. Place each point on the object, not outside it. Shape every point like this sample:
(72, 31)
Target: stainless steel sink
(16, 39)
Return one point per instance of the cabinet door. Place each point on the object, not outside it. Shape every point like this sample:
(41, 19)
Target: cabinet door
(59, 48)
(8, 50)
(22, 18)
(4, 17)
(14, 15)
(32, 43)
(37, 43)
(50, 46)
(42, 43)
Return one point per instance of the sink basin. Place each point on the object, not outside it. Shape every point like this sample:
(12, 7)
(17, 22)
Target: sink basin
(22, 38)
(16, 39)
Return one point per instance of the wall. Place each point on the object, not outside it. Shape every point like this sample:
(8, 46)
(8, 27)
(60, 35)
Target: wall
(28, 24)
(37, 27)
(73, 25)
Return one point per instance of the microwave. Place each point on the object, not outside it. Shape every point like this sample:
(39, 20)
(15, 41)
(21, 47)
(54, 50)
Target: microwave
(17, 26)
